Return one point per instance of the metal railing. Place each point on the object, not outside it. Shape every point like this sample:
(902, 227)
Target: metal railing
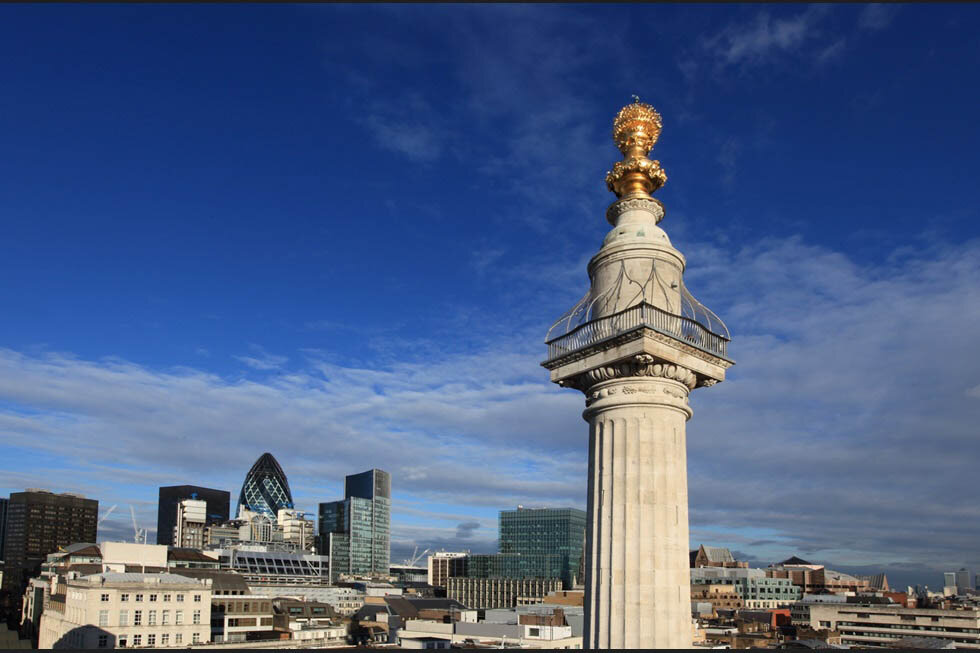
(635, 317)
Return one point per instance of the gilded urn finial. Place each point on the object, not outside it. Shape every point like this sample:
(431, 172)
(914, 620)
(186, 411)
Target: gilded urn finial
(635, 130)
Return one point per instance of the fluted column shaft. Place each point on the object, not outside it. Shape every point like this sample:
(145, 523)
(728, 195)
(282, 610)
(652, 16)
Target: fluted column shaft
(637, 569)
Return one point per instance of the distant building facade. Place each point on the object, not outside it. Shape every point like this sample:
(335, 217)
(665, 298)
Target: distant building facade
(122, 610)
(38, 522)
(3, 525)
(715, 556)
(553, 536)
(266, 488)
(443, 565)
(486, 593)
(216, 502)
(883, 625)
(357, 530)
(752, 586)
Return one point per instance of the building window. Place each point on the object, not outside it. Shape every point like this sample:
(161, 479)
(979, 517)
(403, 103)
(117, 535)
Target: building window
(197, 598)
(195, 638)
(124, 597)
(151, 640)
(151, 618)
(137, 640)
(180, 598)
(533, 632)
(196, 617)
(105, 598)
(103, 617)
(139, 597)
(165, 618)
(166, 598)
(178, 638)
(179, 617)
(122, 642)
(123, 618)
(245, 606)
(164, 639)
(103, 641)
(153, 597)
(137, 618)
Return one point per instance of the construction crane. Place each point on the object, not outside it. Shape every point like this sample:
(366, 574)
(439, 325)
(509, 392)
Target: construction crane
(416, 556)
(107, 513)
(138, 533)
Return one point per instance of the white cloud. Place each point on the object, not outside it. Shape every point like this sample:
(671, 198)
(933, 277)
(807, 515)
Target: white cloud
(756, 41)
(842, 427)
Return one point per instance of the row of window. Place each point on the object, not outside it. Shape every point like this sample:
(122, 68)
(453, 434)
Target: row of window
(151, 617)
(151, 640)
(152, 598)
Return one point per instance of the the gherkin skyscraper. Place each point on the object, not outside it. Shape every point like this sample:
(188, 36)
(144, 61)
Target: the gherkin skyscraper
(265, 489)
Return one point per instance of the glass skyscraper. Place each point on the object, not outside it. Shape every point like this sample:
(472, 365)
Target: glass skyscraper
(535, 543)
(357, 531)
(265, 489)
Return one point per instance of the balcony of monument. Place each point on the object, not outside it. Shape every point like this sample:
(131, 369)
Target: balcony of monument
(638, 317)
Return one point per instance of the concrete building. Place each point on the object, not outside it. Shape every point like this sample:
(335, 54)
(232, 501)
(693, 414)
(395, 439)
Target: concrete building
(815, 578)
(344, 601)
(216, 512)
(443, 565)
(357, 530)
(38, 523)
(192, 515)
(120, 610)
(719, 596)
(883, 625)
(296, 528)
(752, 586)
(481, 593)
(636, 345)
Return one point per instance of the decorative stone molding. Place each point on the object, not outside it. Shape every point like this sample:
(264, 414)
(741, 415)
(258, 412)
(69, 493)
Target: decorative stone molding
(642, 365)
(648, 204)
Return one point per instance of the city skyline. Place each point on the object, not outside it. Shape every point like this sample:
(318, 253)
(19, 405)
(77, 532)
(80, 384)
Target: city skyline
(188, 225)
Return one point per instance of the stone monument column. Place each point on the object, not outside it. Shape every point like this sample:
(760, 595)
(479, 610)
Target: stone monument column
(636, 345)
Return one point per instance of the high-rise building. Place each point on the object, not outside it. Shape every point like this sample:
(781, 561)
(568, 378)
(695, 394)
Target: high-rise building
(265, 489)
(3, 523)
(216, 511)
(38, 522)
(191, 522)
(554, 532)
(357, 530)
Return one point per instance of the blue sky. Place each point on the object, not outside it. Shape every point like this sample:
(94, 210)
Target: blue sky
(339, 233)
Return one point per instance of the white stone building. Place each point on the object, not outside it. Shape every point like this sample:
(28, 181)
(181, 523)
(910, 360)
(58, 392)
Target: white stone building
(122, 610)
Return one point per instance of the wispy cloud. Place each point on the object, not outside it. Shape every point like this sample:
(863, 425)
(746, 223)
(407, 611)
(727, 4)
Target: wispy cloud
(262, 360)
(764, 37)
(876, 16)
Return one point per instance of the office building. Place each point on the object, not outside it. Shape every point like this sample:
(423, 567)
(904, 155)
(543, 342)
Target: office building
(551, 537)
(962, 581)
(486, 593)
(191, 522)
(120, 610)
(880, 626)
(357, 530)
(443, 565)
(265, 489)
(3, 524)
(217, 503)
(272, 564)
(38, 522)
